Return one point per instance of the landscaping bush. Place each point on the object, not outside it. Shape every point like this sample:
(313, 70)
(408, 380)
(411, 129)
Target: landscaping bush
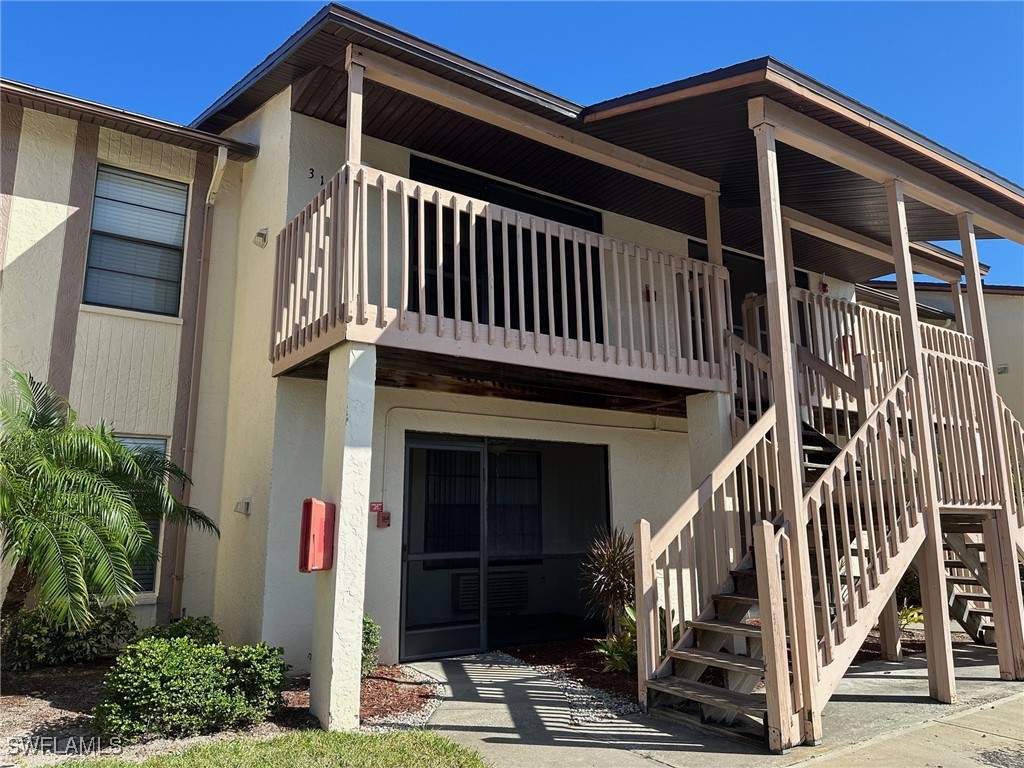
(371, 646)
(607, 575)
(37, 640)
(202, 630)
(177, 687)
(256, 674)
(167, 687)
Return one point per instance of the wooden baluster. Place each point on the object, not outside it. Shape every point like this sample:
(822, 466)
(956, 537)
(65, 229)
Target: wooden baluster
(549, 257)
(677, 323)
(403, 300)
(457, 268)
(474, 304)
(652, 312)
(628, 293)
(383, 309)
(619, 310)
(534, 256)
(689, 325)
(589, 295)
(639, 294)
(577, 281)
(521, 281)
(866, 503)
(564, 291)
(664, 310)
(507, 278)
(421, 256)
(439, 259)
(490, 274)
(364, 215)
(604, 318)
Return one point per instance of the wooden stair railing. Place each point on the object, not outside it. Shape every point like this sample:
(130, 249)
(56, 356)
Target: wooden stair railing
(1014, 434)
(865, 518)
(688, 560)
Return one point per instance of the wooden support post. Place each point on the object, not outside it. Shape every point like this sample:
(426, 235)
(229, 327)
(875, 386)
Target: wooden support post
(941, 680)
(353, 157)
(773, 637)
(647, 623)
(1000, 544)
(782, 352)
(713, 223)
(958, 307)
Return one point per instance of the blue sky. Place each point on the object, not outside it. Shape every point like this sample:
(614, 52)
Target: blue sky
(952, 71)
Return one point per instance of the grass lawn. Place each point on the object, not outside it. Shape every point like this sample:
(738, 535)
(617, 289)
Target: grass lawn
(313, 749)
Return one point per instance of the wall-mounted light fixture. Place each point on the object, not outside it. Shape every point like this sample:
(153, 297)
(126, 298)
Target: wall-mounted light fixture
(244, 506)
(261, 237)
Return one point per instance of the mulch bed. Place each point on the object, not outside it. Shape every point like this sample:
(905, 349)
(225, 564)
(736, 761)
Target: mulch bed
(579, 660)
(58, 701)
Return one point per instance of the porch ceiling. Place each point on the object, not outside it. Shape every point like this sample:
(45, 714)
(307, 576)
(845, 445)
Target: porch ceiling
(698, 124)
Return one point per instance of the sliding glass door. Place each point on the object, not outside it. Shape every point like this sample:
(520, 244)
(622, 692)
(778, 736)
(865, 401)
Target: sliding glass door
(443, 595)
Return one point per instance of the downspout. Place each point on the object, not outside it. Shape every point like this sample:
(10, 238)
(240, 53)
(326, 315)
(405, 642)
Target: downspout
(178, 574)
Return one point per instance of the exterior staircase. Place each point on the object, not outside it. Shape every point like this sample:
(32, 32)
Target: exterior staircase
(967, 581)
(749, 614)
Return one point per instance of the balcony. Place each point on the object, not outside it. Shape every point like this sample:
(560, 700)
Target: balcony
(385, 260)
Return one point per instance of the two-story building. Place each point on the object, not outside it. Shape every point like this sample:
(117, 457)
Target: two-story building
(487, 322)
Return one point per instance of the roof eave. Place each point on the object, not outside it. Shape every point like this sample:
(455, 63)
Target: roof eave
(119, 119)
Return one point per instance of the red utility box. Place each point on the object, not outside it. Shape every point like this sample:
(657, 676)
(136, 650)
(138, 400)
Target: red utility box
(316, 538)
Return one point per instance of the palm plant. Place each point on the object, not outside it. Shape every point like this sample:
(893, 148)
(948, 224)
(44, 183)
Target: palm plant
(608, 575)
(73, 504)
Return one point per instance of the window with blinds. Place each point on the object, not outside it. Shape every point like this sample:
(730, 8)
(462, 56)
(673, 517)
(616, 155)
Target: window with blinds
(145, 573)
(137, 242)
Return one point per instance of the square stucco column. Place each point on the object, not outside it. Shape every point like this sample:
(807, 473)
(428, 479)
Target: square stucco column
(338, 601)
(709, 426)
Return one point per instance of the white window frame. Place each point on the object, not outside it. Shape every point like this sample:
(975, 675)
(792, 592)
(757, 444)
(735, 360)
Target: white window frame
(189, 184)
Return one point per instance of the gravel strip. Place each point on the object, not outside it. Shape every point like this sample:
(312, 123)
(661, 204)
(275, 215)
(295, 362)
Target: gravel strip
(586, 704)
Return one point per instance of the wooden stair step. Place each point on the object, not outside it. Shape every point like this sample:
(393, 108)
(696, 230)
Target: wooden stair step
(730, 661)
(978, 545)
(723, 698)
(726, 627)
(980, 598)
(736, 598)
(966, 581)
(982, 611)
(953, 564)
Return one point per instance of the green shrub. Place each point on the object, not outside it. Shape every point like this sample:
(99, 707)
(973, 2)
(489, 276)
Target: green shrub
(202, 630)
(35, 640)
(167, 687)
(256, 674)
(910, 615)
(619, 649)
(371, 646)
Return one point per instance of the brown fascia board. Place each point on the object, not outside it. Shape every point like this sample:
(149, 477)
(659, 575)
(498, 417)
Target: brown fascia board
(33, 97)
(999, 290)
(401, 41)
(772, 71)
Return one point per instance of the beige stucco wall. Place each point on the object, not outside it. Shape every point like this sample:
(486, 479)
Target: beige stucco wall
(125, 369)
(35, 241)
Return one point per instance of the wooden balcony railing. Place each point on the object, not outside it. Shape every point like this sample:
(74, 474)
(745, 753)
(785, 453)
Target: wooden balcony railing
(379, 258)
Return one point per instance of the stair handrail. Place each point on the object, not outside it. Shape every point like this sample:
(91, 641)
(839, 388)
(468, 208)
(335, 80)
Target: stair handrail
(750, 384)
(884, 546)
(707, 523)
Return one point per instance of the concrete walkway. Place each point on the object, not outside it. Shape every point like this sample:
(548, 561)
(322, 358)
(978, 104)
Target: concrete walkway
(516, 715)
